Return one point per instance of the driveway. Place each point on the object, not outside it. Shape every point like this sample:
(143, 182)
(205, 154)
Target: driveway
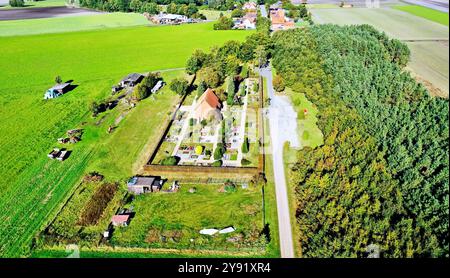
(283, 128)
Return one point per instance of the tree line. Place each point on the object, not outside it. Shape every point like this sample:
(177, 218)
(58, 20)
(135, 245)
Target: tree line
(381, 177)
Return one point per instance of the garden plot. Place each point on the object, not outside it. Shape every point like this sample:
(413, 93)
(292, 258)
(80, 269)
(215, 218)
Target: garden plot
(174, 220)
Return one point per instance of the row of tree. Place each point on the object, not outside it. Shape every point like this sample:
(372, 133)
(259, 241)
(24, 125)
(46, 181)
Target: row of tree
(380, 181)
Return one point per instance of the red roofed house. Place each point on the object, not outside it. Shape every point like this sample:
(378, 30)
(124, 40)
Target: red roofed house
(279, 21)
(208, 106)
(120, 220)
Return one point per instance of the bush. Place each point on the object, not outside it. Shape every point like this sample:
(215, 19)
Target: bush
(198, 150)
(278, 83)
(144, 89)
(170, 161)
(180, 86)
(224, 23)
(220, 150)
(245, 145)
(191, 121)
(16, 3)
(217, 163)
(245, 162)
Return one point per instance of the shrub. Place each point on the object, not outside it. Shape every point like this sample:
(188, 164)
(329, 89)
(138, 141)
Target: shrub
(245, 162)
(217, 163)
(220, 150)
(245, 145)
(16, 3)
(191, 121)
(224, 23)
(199, 150)
(58, 79)
(278, 83)
(229, 187)
(180, 86)
(170, 161)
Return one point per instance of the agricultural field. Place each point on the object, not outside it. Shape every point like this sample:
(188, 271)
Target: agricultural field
(433, 15)
(71, 24)
(424, 37)
(31, 125)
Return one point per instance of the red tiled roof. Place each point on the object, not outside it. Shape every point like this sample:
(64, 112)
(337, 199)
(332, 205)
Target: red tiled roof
(120, 218)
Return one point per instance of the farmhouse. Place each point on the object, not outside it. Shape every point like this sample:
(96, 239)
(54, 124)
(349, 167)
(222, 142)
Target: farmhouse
(208, 106)
(131, 79)
(140, 185)
(279, 20)
(120, 220)
(248, 21)
(57, 90)
(169, 19)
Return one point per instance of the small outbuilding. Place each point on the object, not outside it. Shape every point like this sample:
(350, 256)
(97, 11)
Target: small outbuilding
(140, 185)
(158, 86)
(57, 90)
(227, 230)
(120, 220)
(131, 80)
(209, 232)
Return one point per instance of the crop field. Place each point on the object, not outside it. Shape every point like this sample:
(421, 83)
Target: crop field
(70, 24)
(433, 15)
(31, 125)
(427, 40)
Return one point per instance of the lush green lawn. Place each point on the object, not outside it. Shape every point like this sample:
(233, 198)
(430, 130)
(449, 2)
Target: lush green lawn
(431, 14)
(70, 24)
(95, 60)
(309, 134)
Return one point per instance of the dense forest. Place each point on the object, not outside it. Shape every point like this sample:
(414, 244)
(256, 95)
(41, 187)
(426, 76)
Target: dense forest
(381, 178)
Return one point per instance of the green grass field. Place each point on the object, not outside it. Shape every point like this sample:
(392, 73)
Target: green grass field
(308, 132)
(38, 4)
(433, 15)
(34, 187)
(70, 24)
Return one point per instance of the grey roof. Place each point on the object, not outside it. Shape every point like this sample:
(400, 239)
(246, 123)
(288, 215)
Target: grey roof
(132, 77)
(59, 86)
(141, 181)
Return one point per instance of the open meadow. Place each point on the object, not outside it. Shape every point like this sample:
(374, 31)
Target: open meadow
(34, 187)
(70, 24)
(423, 36)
